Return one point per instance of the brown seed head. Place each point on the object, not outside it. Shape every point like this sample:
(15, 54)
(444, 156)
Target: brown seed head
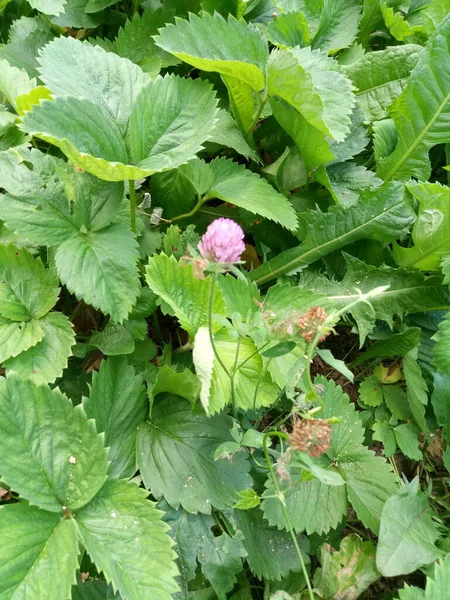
(309, 323)
(311, 436)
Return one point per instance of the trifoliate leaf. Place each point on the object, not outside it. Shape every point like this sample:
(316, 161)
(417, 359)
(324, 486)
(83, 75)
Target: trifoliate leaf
(186, 295)
(175, 453)
(38, 554)
(271, 553)
(46, 360)
(59, 460)
(126, 538)
(27, 290)
(237, 185)
(239, 50)
(118, 404)
(313, 506)
(247, 499)
(407, 533)
(381, 215)
(90, 267)
(421, 113)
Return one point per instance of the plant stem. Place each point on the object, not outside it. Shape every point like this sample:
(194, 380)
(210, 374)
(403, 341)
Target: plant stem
(213, 345)
(191, 213)
(253, 124)
(447, 160)
(132, 205)
(280, 496)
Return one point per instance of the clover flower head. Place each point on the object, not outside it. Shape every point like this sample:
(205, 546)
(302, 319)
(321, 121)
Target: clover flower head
(223, 242)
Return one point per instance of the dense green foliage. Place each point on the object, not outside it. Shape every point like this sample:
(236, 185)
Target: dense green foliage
(271, 428)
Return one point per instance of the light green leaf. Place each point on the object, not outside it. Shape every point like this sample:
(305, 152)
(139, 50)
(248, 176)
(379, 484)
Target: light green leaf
(240, 295)
(112, 284)
(346, 573)
(171, 119)
(27, 290)
(271, 553)
(407, 533)
(46, 360)
(13, 82)
(381, 215)
(235, 184)
(338, 25)
(313, 506)
(118, 403)
(441, 350)
(436, 586)
(406, 435)
(371, 391)
(421, 113)
(175, 456)
(380, 77)
(38, 554)
(409, 292)
(124, 534)
(114, 340)
(18, 336)
(239, 50)
(382, 432)
(431, 230)
(244, 102)
(289, 29)
(398, 27)
(186, 295)
(58, 461)
(227, 133)
(69, 67)
(184, 383)
(48, 7)
(247, 499)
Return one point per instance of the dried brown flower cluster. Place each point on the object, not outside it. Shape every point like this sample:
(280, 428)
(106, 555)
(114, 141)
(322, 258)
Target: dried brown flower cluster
(311, 436)
(309, 323)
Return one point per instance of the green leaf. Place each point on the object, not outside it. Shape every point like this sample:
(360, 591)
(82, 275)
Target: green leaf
(371, 391)
(382, 432)
(227, 133)
(338, 25)
(439, 401)
(253, 385)
(416, 389)
(431, 229)
(38, 555)
(381, 215)
(235, 184)
(171, 119)
(184, 383)
(289, 29)
(421, 113)
(397, 344)
(220, 556)
(396, 401)
(313, 506)
(247, 499)
(123, 533)
(436, 586)
(279, 350)
(371, 20)
(118, 404)
(407, 533)
(186, 295)
(113, 283)
(13, 82)
(69, 67)
(380, 77)
(441, 350)
(346, 573)
(325, 99)
(406, 435)
(93, 590)
(49, 7)
(58, 460)
(398, 27)
(114, 340)
(409, 292)
(46, 360)
(27, 290)
(18, 336)
(239, 50)
(175, 456)
(271, 553)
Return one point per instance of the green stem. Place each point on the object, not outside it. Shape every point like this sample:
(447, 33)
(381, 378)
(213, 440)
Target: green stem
(213, 345)
(252, 355)
(191, 213)
(447, 160)
(132, 205)
(262, 103)
(280, 496)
